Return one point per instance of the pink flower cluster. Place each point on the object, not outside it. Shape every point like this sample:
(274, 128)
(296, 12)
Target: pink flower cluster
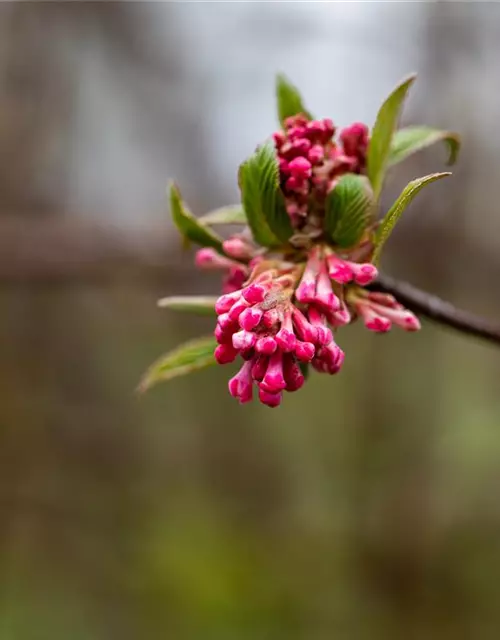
(310, 161)
(279, 312)
(284, 313)
(273, 335)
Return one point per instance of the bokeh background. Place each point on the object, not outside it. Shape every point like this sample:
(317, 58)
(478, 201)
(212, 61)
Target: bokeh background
(368, 506)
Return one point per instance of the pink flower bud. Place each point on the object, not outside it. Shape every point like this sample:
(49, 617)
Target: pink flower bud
(329, 359)
(266, 345)
(306, 291)
(328, 128)
(400, 316)
(355, 139)
(225, 302)
(339, 270)
(324, 292)
(411, 322)
(304, 329)
(314, 130)
(301, 146)
(240, 386)
(305, 351)
(243, 340)
(340, 318)
(300, 168)
(298, 120)
(234, 280)
(225, 353)
(279, 138)
(225, 322)
(270, 399)
(283, 165)
(295, 133)
(297, 184)
(250, 318)
(238, 307)
(373, 320)
(205, 257)
(270, 318)
(385, 299)
(364, 273)
(208, 258)
(236, 248)
(255, 293)
(319, 322)
(273, 381)
(286, 340)
(224, 335)
(316, 154)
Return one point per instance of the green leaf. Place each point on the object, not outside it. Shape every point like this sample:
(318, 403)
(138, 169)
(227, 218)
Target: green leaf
(191, 356)
(288, 99)
(202, 305)
(348, 208)
(381, 136)
(188, 225)
(232, 214)
(412, 139)
(392, 216)
(262, 199)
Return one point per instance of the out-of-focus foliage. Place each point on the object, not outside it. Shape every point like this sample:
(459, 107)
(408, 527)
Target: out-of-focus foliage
(362, 509)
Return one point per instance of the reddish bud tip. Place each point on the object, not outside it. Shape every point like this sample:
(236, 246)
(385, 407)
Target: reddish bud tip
(270, 399)
(305, 351)
(225, 353)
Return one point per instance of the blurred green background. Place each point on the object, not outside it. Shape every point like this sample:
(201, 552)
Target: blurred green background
(368, 505)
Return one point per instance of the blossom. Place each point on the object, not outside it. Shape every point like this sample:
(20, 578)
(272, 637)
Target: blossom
(280, 313)
(310, 160)
(306, 263)
(285, 316)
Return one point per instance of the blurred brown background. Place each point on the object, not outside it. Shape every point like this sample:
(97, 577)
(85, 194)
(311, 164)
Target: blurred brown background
(368, 505)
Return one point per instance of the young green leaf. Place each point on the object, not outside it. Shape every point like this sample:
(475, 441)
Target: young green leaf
(412, 139)
(262, 199)
(348, 208)
(202, 305)
(392, 216)
(233, 214)
(191, 356)
(188, 225)
(381, 136)
(288, 99)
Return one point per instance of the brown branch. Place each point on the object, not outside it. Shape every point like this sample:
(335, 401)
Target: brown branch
(432, 307)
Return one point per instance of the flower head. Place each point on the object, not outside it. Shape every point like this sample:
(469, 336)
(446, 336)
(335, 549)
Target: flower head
(306, 264)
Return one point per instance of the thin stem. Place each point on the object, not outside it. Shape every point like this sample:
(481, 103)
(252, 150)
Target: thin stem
(426, 304)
